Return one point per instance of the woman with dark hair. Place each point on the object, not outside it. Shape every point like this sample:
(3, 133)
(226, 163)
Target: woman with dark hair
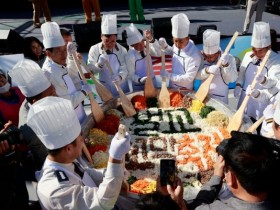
(33, 50)
(11, 99)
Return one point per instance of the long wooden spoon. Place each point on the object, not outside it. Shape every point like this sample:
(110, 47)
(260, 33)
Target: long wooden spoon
(203, 90)
(96, 110)
(149, 88)
(164, 97)
(102, 91)
(236, 120)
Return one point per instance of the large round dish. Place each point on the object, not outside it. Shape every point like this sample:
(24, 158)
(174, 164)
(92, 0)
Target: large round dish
(115, 102)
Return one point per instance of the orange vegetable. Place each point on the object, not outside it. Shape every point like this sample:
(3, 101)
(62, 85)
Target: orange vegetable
(139, 102)
(176, 99)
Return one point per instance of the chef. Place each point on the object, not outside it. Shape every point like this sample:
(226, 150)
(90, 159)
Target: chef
(261, 43)
(109, 51)
(56, 71)
(224, 74)
(186, 57)
(63, 183)
(136, 60)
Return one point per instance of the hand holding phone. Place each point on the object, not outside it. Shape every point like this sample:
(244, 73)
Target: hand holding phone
(167, 171)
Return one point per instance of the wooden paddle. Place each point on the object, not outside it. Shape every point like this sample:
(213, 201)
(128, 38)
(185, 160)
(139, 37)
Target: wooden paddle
(236, 120)
(149, 88)
(127, 106)
(164, 97)
(102, 91)
(96, 110)
(203, 90)
(253, 127)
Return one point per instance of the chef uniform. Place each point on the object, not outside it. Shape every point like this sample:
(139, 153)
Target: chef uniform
(228, 73)
(186, 61)
(249, 67)
(63, 185)
(116, 58)
(136, 60)
(58, 74)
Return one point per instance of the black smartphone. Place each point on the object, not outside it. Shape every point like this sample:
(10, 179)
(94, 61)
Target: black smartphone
(167, 171)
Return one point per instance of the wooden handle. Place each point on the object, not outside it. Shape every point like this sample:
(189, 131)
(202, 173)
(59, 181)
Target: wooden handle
(203, 90)
(96, 110)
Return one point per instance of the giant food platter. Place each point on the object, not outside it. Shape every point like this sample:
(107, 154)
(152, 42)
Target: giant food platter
(179, 133)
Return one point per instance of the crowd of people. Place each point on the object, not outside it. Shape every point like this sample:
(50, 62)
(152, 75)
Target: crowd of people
(47, 107)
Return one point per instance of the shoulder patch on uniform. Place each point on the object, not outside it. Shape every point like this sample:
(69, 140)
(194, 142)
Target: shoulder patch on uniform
(61, 176)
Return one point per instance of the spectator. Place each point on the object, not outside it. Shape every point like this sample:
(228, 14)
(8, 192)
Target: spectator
(13, 192)
(109, 51)
(252, 6)
(11, 99)
(224, 74)
(136, 56)
(247, 164)
(33, 50)
(39, 5)
(62, 182)
(87, 5)
(136, 11)
(186, 57)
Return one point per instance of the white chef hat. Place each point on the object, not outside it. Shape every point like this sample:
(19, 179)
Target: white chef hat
(261, 35)
(276, 116)
(180, 26)
(51, 35)
(109, 24)
(211, 41)
(29, 77)
(133, 35)
(54, 121)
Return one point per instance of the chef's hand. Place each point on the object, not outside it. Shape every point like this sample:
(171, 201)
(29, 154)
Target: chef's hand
(237, 91)
(102, 59)
(143, 80)
(86, 88)
(116, 78)
(252, 92)
(214, 69)
(225, 59)
(71, 48)
(119, 147)
(260, 78)
(162, 42)
(164, 73)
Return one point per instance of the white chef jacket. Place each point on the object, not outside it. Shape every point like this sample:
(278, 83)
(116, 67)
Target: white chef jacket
(246, 75)
(59, 77)
(59, 187)
(219, 86)
(185, 64)
(117, 62)
(137, 67)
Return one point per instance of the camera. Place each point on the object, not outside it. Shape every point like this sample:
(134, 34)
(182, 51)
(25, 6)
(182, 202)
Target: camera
(12, 134)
